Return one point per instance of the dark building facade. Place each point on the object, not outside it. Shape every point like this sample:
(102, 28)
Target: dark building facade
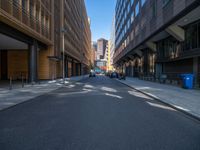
(94, 53)
(158, 37)
(101, 48)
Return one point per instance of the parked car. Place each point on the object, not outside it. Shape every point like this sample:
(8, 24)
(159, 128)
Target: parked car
(92, 74)
(114, 75)
(122, 76)
(108, 74)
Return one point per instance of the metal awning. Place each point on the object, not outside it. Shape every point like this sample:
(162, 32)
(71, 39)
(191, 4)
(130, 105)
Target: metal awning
(55, 58)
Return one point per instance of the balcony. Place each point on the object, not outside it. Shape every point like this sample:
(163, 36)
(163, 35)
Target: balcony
(26, 17)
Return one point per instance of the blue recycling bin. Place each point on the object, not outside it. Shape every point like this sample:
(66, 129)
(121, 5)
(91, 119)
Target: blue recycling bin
(187, 80)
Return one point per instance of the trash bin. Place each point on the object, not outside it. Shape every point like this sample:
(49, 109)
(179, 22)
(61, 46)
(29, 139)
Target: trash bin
(187, 80)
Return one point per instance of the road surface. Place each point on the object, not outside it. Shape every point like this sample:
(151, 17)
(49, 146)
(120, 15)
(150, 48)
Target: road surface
(96, 114)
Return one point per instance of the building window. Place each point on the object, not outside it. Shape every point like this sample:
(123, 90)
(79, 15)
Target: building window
(165, 2)
(191, 37)
(24, 5)
(199, 35)
(31, 10)
(168, 48)
(124, 5)
(128, 40)
(129, 23)
(137, 9)
(132, 17)
(132, 35)
(136, 29)
(16, 2)
(143, 22)
(154, 8)
(143, 2)
(129, 7)
(132, 2)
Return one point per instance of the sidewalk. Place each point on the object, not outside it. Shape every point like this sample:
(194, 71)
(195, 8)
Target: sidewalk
(185, 100)
(18, 95)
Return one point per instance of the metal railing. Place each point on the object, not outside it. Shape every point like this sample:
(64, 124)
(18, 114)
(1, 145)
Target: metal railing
(20, 77)
(171, 78)
(25, 17)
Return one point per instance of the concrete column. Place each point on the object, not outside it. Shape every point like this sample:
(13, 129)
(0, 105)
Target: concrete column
(127, 70)
(123, 68)
(132, 70)
(72, 67)
(66, 67)
(33, 54)
(195, 71)
(120, 68)
(81, 70)
(146, 63)
(77, 69)
(158, 69)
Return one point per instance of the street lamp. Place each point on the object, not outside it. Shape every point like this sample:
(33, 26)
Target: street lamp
(82, 60)
(63, 31)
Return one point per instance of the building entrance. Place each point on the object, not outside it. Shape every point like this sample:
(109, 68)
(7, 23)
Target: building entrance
(3, 65)
(13, 58)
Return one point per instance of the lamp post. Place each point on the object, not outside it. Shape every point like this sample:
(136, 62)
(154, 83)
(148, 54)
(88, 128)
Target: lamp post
(82, 60)
(63, 31)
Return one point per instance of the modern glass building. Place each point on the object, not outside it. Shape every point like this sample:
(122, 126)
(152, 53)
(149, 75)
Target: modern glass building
(101, 48)
(156, 37)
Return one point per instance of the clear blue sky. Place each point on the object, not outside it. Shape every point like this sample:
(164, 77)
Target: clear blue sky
(101, 13)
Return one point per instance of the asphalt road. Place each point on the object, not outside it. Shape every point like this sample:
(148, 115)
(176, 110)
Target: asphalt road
(96, 114)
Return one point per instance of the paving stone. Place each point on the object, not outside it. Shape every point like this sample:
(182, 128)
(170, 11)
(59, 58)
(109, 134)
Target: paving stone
(186, 100)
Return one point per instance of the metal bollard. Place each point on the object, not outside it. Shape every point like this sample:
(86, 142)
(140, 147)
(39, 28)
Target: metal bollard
(26, 79)
(10, 87)
(22, 82)
(52, 77)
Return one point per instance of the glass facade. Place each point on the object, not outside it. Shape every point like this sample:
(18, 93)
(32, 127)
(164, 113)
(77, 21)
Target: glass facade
(126, 12)
(192, 36)
(154, 8)
(137, 9)
(171, 48)
(165, 2)
(168, 48)
(143, 2)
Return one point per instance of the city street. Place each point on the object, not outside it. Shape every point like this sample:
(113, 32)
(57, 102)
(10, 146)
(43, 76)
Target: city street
(96, 114)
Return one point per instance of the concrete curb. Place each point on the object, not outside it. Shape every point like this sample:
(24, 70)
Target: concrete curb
(196, 118)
